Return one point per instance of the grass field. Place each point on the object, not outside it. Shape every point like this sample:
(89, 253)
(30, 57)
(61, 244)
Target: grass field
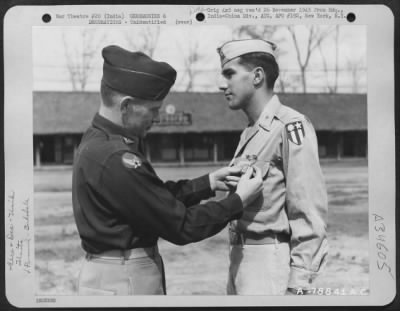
(201, 268)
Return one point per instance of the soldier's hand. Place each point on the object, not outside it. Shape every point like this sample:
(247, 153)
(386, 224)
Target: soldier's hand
(225, 178)
(249, 188)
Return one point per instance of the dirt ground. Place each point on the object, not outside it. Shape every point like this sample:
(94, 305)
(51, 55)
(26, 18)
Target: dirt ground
(201, 268)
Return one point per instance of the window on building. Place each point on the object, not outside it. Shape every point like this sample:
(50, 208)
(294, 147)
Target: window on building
(198, 147)
(355, 144)
(329, 144)
(47, 149)
(163, 147)
(68, 149)
(227, 144)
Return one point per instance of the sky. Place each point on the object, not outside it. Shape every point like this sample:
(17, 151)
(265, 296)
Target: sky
(52, 44)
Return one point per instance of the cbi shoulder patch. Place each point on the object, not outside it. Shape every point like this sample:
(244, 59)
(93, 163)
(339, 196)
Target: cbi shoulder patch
(295, 132)
(131, 160)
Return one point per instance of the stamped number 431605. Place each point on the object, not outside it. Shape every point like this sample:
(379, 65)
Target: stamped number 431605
(381, 248)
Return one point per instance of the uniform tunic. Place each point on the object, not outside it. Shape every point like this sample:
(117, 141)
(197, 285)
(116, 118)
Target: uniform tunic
(120, 203)
(294, 200)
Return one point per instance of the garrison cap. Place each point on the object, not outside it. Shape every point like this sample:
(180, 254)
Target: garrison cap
(236, 48)
(136, 74)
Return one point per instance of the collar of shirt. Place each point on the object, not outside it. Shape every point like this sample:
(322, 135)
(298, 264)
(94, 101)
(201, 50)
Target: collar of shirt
(114, 129)
(270, 111)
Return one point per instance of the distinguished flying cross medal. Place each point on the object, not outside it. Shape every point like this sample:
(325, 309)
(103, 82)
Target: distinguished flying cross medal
(130, 160)
(295, 132)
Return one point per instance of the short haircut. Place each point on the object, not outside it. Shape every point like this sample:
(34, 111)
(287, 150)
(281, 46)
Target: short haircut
(266, 62)
(108, 95)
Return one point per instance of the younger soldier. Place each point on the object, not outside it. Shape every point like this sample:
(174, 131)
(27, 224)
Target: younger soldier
(279, 243)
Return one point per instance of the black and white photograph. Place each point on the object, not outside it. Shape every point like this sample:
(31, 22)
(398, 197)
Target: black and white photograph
(210, 155)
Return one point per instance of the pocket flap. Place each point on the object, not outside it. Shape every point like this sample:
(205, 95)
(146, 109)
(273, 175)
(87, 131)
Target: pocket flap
(243, 163)
(264, 167)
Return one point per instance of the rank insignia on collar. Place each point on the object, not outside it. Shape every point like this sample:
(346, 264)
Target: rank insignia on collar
(131, 160)
(128, 141)
(295, 132)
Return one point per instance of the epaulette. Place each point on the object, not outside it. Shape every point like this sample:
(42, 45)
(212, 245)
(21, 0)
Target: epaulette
(117, 143)
(288, 115)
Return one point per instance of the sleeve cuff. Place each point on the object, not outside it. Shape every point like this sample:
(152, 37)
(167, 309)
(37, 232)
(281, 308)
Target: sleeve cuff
(202, 186)
(301, 278)
(235, 205)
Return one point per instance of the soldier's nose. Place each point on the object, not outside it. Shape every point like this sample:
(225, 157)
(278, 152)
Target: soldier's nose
(222, 85)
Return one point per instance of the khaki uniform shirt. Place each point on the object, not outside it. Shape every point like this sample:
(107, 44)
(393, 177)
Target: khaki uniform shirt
(294, 198)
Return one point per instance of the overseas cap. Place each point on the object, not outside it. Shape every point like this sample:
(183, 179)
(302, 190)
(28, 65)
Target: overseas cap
(136, 74)
(236, 48)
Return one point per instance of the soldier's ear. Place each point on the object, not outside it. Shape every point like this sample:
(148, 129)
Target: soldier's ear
(124, 103)
(259, 76)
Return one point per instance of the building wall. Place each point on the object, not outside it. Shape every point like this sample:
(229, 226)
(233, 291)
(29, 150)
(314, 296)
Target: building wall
(55, 149)
(195, 147)
(342, 144)
(192, 147)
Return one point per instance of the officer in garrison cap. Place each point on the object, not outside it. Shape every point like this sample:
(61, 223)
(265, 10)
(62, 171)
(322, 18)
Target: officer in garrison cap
(121, 206)
(279, 244)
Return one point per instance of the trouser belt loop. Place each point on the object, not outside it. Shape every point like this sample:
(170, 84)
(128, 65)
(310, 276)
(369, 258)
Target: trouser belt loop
(124, 255)
(243, 238)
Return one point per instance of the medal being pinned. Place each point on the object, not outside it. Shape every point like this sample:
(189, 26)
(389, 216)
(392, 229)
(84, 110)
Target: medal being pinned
(295, 132)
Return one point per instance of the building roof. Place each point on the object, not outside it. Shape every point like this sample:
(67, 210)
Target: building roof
(72, 112)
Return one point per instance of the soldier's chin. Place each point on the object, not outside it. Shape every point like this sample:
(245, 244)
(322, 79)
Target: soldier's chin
(233, 106)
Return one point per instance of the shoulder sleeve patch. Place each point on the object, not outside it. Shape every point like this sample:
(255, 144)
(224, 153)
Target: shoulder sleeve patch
(295, 132)
(131, 160)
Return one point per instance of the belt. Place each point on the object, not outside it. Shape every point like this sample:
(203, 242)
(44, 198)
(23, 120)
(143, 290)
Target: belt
(121, 254)
(251, 238)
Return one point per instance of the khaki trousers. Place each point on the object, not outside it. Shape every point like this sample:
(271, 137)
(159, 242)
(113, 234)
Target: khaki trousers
(259, 269)
(108, 275)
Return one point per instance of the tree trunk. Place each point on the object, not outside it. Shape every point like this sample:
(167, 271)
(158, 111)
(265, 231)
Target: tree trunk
(282, 85)
(335, 88)
(303, 79)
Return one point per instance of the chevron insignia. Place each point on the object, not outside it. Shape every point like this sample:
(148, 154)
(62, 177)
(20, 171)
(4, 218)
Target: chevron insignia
(295, 132)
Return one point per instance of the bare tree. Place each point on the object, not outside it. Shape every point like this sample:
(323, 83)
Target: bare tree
(191, 58)
(356, 67)
(144, 40)
(80, 53)
(337, 29)
(331, 87)
(255, 32)
(316, 35)
(284, 81)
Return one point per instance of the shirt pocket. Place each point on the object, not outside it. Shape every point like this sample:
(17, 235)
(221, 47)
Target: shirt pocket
(243, 163)
(264, 167)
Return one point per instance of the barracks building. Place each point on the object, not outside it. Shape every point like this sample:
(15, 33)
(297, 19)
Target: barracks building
(195, 127)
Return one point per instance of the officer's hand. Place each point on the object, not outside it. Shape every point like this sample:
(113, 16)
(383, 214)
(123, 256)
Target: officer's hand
(249, 188)
(225, 178)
